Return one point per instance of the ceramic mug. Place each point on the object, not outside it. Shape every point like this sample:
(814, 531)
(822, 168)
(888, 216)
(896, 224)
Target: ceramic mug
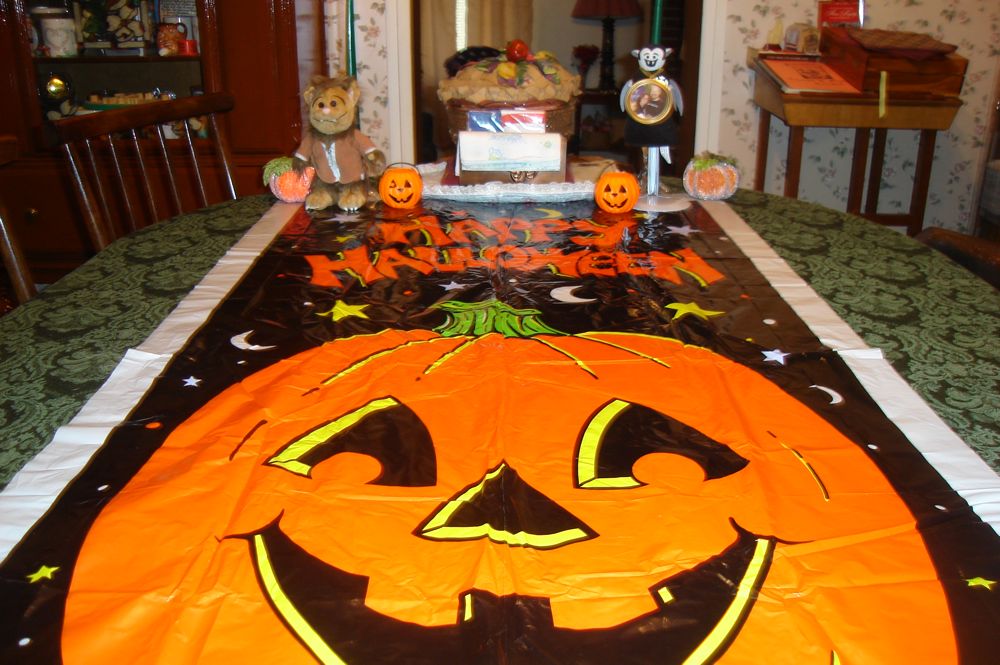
(169, 37)
(187, 47)
(59, 36)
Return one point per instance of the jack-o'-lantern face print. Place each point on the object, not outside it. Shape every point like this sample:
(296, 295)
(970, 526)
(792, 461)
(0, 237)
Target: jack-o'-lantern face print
(616, 192)
(417, 497)
(400, 187)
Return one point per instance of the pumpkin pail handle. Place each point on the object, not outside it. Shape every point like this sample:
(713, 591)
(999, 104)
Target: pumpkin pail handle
(395, 164)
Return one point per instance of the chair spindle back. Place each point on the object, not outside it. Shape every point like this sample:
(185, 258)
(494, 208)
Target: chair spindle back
(10, 250)
(128, 174)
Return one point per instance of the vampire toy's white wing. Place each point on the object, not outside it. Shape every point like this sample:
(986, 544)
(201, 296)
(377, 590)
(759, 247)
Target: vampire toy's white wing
(675, 90)
(624, 94)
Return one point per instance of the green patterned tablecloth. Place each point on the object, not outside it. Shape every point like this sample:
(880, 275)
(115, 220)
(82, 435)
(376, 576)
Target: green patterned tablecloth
(936, 323)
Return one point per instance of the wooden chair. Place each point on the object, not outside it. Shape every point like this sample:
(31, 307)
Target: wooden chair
(125, 169)
(13, 257)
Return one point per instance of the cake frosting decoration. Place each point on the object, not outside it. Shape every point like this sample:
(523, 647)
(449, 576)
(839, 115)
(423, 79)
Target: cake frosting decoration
(535, 78)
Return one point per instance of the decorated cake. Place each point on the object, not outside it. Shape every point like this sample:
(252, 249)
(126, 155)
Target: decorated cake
(512, 78)
(511, 95)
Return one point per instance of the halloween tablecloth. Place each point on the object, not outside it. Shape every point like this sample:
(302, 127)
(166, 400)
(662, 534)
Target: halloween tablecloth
(506, 434)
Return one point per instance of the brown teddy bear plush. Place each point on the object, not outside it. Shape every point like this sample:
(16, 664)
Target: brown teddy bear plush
(344, 158)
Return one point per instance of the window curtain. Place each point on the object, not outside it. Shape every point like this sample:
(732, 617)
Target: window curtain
(437, 44)
(496, 22)
(489, 23)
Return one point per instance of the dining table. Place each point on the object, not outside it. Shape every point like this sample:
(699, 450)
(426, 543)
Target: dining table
(253, 385)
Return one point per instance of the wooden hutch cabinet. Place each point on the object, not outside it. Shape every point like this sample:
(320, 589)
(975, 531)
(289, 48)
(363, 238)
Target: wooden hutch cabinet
(258, 50)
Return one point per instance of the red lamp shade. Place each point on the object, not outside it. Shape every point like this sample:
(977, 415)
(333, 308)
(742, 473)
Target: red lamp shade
(606, 9)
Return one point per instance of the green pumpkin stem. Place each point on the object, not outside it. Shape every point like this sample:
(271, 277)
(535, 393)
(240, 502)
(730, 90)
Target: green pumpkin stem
(491, 316)
(276, 167)
(706, 160)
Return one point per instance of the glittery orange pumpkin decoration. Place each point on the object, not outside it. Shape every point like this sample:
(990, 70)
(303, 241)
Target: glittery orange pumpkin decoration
(400, 187)
(287, 183)
(711, 177)
(616, 191)
(497, 490)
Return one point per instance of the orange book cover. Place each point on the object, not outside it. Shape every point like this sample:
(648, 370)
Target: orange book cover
(807, 76)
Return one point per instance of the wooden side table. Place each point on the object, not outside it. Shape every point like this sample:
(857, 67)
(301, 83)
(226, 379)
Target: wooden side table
(927, 114)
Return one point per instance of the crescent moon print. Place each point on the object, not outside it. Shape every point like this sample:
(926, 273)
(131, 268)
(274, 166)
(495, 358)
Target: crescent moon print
(549, 213)
(565, 294)
(835, 397)
(241, 342)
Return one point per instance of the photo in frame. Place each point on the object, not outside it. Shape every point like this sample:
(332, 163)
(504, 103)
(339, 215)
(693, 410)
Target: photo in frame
(649, 101)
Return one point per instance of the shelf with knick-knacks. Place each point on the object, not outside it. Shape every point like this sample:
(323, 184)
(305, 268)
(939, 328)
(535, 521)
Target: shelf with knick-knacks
(66, 85)
(70, 28)
(85, 51)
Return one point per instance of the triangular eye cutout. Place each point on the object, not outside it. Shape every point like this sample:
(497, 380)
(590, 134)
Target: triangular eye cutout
(505, 509)
(384, 429)
(620, 432)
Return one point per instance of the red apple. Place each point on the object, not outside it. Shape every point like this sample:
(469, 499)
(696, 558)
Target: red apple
(517, 50)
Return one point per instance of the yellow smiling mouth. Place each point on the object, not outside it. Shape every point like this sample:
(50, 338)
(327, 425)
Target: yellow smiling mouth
(347, 632)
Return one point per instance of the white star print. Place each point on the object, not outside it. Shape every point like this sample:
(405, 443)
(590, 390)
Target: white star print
(685, 230)
(776, 355)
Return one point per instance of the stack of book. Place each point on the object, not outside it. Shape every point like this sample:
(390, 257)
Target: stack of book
(805, 75)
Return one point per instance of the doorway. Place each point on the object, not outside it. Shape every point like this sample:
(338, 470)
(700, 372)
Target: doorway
(680, 29)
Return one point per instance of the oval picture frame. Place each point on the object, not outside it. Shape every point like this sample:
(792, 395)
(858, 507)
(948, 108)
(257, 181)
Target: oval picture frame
(649, 101)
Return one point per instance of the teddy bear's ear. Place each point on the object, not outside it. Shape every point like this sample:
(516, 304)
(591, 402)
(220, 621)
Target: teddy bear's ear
(354, 90)
(315, 83)
(348, 84)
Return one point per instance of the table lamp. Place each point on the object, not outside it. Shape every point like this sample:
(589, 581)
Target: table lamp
(607, 11)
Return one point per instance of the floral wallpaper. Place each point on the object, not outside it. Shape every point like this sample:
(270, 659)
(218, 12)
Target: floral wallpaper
(972, 25)
(371, 57)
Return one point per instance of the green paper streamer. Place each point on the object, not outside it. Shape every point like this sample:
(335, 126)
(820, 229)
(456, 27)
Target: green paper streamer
(654, 32)
(352, 61)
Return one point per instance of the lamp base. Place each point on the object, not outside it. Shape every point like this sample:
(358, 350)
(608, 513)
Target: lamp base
(607, 81)
(663, 203)
(654, 201)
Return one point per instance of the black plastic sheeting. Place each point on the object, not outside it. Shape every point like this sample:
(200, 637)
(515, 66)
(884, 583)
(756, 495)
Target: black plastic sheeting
(505, 434)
